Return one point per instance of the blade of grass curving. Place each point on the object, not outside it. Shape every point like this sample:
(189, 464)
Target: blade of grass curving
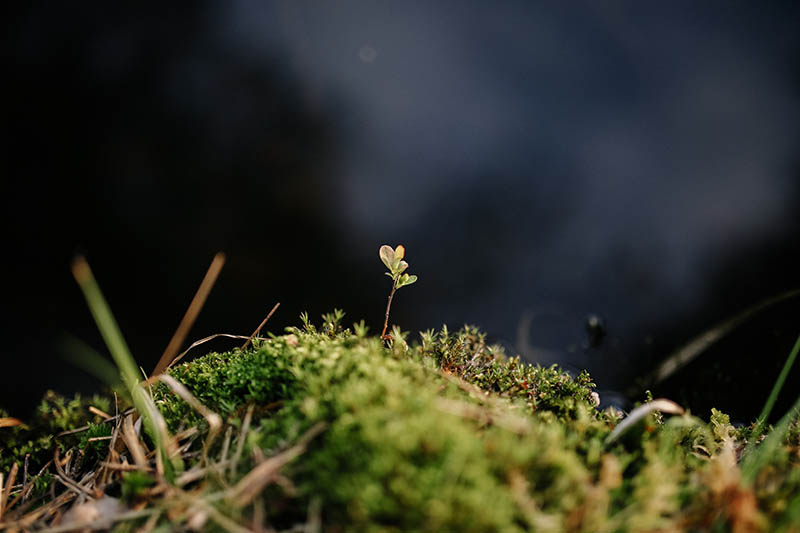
(699, 344)
(662, 405)
(776, 389)
(152, 419)
(756, 459)
(87, 359)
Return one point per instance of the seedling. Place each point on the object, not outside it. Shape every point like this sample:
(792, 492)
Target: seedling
(393, 259)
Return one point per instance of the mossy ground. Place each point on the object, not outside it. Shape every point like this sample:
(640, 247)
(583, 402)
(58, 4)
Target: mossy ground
(331, 428)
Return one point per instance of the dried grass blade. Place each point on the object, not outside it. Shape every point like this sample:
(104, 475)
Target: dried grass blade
(101, 414)
(223, 455)
(204, 340)
(213, 419)
(190, 316)
(262, 475)
(64, 478)
(132, 443)
(10, 421)
(240, 442)
(12, 477)
(258, 329)
(661, 404)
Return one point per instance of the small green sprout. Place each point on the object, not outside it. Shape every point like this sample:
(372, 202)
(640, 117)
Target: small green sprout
(393, 259)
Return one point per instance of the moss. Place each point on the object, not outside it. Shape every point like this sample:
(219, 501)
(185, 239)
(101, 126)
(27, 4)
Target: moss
(37, 438)
(449, 434)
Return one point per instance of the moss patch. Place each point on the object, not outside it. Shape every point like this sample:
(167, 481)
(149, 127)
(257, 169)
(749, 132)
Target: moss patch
(443, 434)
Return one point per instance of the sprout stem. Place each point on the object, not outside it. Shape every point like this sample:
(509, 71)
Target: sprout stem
(388, 307)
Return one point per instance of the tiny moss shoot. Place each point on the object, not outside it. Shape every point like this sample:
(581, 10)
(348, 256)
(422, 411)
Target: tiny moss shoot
(393, 259)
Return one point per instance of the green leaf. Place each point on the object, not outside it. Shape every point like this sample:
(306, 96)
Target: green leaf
(401, 266)
(389, 274)
(387, 256)
(405, 279)
(399, 253)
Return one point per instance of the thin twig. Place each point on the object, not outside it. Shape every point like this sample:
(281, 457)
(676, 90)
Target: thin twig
(82, 428)
(112, 451)
(24, 523)
(388, 308)
(223, 521)
(123, 467)
(213, 419)
(314, 520)
(191, 314)
(198, 473)
(223, 455)
(151, 522)
(262, 475)
(66, 480)
(258, 329)
(25, 475)
(98, 412)
(203, 341)
(240, 442)
(133, 444)
(12, 476)
(129, 515)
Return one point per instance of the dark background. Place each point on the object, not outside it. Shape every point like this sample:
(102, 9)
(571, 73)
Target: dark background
(540, 162)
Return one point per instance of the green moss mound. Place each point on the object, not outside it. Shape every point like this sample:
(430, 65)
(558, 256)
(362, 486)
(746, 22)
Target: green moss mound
(443, 434)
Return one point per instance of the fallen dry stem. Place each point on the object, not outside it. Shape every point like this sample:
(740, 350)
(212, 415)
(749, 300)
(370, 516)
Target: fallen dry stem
(191, 314)
(84, 428)
(25, 523)
(240, 441)
(203, 341)
(98, 412)
(262, 475)
(213, 419)
(132, 443)
(66, 480)
(258, 329)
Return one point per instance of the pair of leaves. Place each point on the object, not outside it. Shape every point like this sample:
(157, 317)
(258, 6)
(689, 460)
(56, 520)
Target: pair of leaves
(405, 279)
(393, 259)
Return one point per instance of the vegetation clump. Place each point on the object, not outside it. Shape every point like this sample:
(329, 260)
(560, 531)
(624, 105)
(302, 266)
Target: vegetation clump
(332, 426)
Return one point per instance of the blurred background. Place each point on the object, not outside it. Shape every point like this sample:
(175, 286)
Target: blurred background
(593, 184)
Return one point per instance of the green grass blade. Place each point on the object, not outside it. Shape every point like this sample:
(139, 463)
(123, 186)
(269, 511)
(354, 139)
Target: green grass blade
(776, 389)
(106, 323)
(86, 358)
(153, 422)
(754, 461)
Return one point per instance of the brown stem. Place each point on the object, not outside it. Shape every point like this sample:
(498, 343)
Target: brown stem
(388, 306)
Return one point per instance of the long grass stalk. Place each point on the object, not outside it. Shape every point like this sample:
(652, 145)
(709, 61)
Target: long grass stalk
(776, 388)
(754, 459)
(152, 419)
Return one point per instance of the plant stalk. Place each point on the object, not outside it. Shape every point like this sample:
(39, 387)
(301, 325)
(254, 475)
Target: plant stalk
(388, 307)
